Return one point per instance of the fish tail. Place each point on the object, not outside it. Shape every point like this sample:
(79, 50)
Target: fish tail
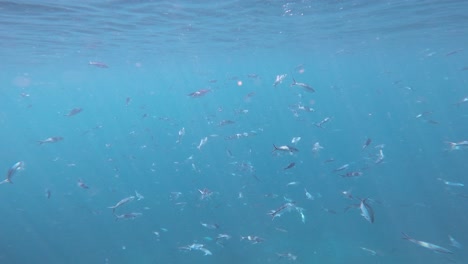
(275, 148)
(405, 236)
(6, 181)
(294, 81)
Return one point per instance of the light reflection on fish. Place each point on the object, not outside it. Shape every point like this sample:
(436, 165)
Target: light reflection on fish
(435, 248)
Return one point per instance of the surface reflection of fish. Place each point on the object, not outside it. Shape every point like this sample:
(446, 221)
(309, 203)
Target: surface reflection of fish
(50, 140)
(74, 111)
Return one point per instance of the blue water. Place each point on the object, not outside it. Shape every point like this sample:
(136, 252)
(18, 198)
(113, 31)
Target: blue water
(375, 66)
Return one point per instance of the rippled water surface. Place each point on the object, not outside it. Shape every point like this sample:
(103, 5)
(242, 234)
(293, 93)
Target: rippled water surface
(233, 131)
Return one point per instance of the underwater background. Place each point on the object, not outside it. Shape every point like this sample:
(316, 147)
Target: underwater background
(177, 106)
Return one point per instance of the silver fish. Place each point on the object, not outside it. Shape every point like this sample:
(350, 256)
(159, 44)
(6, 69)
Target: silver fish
(305, 86)
(366, 211)
(435, 248)
(122, 202)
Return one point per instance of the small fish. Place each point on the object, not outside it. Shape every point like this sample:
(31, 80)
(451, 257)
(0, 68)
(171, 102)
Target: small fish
(48, 193)
(449, 183)
(291, 165)
(128, 216)
(433, 247)
(454, 243)
(221, 238)
(316, 148)
(341, 168)
(202, 142)
(348, 194)
(453, 52)
(424, 114)
(328, 210)
(82, 185)
(199, 247)
(122, 202)
(380, 157)
(199, 93)
(253, 239)
(205, 193)
(181, 134)
(462, 101)
(226, 122)
(249, 96)
(98, 64)
(308, 195)
(305, 108)
(324, 121)
(370, 251)
(284, 148)
(139, 196)
(292, 183)
(74, 111)
(366, 211)
(352, 174)
(305, 86)
(279, 79)
(295, 140)
(286, 256)
(12, 170)
(367, 143)
(128, 100)
(50, 140)
(458, 145)
(209, 226)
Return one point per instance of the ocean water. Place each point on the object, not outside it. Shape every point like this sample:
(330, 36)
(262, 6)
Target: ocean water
(106, 87)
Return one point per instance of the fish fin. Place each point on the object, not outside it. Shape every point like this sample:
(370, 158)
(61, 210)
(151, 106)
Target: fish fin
(294, 81)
